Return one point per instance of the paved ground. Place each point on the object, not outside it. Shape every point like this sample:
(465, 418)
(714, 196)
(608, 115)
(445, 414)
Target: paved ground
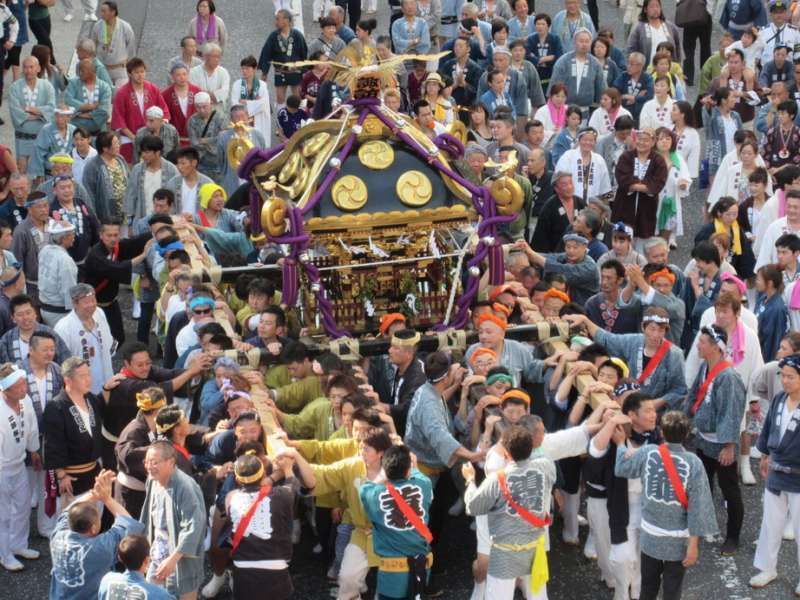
(574, 578)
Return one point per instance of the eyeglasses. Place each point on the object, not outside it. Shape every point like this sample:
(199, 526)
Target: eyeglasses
(202, 311)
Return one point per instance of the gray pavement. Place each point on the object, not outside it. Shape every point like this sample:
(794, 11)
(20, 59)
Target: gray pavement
(159, 24)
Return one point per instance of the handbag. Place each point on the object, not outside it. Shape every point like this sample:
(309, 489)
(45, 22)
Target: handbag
(691, 13)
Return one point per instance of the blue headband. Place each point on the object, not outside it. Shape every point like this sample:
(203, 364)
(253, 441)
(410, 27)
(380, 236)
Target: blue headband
(793, 360)
(12, 378)
(162, 250)
(12, 281)
(201, 301)
(626, 386)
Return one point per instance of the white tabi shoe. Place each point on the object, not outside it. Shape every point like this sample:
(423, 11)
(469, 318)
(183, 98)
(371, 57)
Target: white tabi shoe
(27, 553)
(744, 470)
(213, 587)
(762, 579)
(788, 532)
(9, 563)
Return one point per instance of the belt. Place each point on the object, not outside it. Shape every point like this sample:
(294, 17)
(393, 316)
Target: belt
(428, 470)
(779, 468)
(105, 304)
(449, 19)
(516, 547)
(129, 481)
(54, 309)
(656, 531)
(119, 66)
(81, 469)
(108, 435)
(400, 564)
(276, 564)
(738, 27)
(24, 136)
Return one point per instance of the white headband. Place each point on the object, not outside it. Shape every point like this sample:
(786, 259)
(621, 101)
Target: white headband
(12, 378)
(655, 319)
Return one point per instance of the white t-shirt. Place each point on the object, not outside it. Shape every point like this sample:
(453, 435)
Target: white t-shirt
(657, 35)
(174, 306)
(730, 129)
(152, 182)
(189, 197)
(24, 348)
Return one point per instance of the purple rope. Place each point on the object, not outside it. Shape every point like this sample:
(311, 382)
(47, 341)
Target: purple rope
(255, 157)
(450, 144)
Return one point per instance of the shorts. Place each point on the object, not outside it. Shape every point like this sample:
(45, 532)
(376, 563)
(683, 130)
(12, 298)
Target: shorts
(291, 78)
(12, 56)
(482, 533)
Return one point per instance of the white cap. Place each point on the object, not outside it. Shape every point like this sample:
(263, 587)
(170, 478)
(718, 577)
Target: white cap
(67, 111)
(56, 227)
(155, 112)
(202, 98)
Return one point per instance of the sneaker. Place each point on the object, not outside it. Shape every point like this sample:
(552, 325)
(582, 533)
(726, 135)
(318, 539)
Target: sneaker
(729, 547)
(711, 538)
(763, 579)
(27, 553)
(457, 508)
(10, 563)
(213, 587)
(68, 17)
(90, 17)
(570, 541)
(582, 522)
(744, 470)
(788, 532)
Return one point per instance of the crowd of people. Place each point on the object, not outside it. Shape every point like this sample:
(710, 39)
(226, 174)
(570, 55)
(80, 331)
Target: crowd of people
(208, 442)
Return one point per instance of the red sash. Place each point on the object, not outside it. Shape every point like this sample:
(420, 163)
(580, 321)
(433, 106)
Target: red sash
(654, 362)
(183, 451)
(408, 512)
(248, 516)
(104, 284)
(701, 393)
(203, 218)
(526, 516)
(674, 478)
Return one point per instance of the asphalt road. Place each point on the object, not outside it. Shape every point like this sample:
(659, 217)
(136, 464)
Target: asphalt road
(160, 24)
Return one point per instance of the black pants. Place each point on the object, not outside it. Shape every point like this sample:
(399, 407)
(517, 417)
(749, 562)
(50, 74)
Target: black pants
(728, 480)
(353, 8)
(41, 29)
(594, 13)
(114, 317)
(145, 320)
(657, 572)
(444, 494)
(690, 37)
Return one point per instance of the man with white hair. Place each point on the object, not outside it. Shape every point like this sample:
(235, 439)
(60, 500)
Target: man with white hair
(57, 271)
(85, 331)
(157, 126)
(90, 96)
(211, 77)
(131, 102)
(581, 73)
(85, 48)
(115, 42)
(204, 127)
(13, 210)
(19, 434)
(31, 103)
(343, 32)
(284, 45)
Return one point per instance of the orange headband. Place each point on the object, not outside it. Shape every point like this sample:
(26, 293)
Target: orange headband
(500, 322)
(554, 293)
(501, 308)
(480, 352)
(390, 318)
(516, 395)
(662, 273)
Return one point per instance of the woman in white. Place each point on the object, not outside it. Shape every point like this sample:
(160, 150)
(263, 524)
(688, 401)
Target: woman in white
(658, 111)
(735, 183)
(252, 93)
(606, 115)
(688, 145)
(669, 220)
(553, 115)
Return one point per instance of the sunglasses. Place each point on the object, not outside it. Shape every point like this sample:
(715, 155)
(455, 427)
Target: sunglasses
(202, 311)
